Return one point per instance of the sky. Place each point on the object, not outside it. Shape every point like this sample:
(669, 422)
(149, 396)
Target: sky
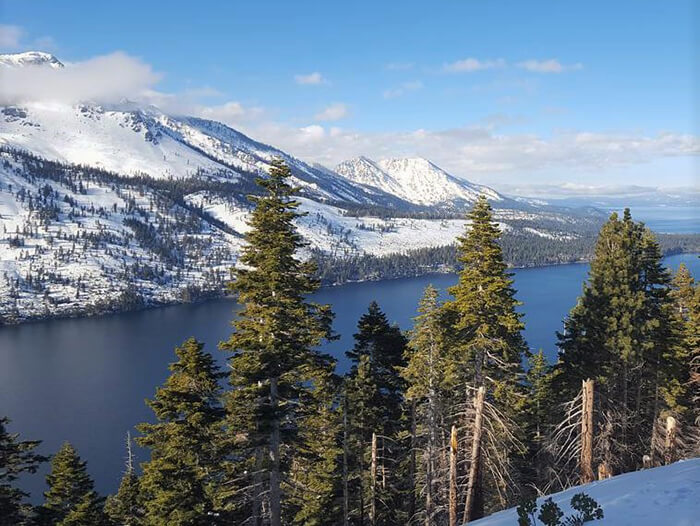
(534, 97)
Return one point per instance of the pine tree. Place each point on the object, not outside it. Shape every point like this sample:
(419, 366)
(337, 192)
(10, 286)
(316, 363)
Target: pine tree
(274, 361)
(16, 457)
(375, 394)
(487, 345)
(125, 508)
(539, 414)
(428, 389)
(685, 293)
(621, 334)
(179, 481)
(71, 498)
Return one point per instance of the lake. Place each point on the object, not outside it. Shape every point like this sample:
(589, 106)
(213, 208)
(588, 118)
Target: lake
(85, 380)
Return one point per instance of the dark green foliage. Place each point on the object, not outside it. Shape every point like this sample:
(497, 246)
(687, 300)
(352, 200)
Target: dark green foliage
(16, 457)
(486, 344)
(180, 480)
(587, 510)
(375, 391)
(622, 334)
(125, 508)
(71, 498)
(550, 513)
(274, 367)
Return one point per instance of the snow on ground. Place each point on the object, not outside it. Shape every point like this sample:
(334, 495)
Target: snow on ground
(112, 140)
(663, 496)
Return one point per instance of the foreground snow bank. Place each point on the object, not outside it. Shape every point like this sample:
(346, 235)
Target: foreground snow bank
(669, 496)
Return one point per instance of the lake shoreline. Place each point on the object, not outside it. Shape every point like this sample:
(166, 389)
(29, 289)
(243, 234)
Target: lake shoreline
(213, 295)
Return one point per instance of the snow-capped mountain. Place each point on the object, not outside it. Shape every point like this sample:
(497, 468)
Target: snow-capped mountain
(416, 180)
(30, 58)
(110, 207)
(132, 140)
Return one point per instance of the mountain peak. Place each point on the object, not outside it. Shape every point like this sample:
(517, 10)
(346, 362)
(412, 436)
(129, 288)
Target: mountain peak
(30, 58)
(414, 179)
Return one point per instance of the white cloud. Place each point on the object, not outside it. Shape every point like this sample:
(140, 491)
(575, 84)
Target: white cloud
(334, 112)
(10, 37)
(311, 79)
(399, 66)
(107, 78)
(548, 66)
(469, 65)
(402, 89)
(479, 152)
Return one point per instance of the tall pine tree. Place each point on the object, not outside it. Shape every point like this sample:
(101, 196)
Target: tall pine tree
(487, 346)
(374, 401)
(622, 335)
(274, 364)
(16, 457)
(429, 391)
(179, 482)
(125, 508)
(71, 498)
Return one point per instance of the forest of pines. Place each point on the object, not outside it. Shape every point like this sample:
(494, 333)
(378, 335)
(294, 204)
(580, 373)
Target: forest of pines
(440, 425)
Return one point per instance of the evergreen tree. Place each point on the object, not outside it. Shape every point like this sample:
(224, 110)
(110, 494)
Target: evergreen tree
(179, 481)
(428, 390)
(486, 341)
(685, 293)
(375, 394)
(16, 457)
(274, 363)
(71, 498)
(621, 334)
(125, 508)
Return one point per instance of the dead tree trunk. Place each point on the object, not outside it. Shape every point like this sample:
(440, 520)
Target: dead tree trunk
(373, 483)
(473, 483)
(586, 463)
(670, 445)
(453, 477)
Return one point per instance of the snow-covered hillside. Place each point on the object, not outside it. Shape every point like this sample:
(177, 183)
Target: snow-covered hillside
(416, 180)
(30, 58)
(101, 205)
(667, 495)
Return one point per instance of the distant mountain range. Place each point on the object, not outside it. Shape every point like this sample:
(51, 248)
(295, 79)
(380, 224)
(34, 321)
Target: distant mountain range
(107, 203)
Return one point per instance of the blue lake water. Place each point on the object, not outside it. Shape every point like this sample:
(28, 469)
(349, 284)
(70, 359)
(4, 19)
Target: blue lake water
(85, 380)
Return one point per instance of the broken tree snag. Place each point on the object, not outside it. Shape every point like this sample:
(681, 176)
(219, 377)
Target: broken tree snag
(670, 445)
(453, 477)
(373, 482)
(470, 513)
(587, 433)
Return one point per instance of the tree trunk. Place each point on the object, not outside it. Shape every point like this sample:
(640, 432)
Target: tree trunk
(346, 492)
(472, 503)
(412, 467)
(257, 488)
(275, 492)
(670, 446)
(373, 483)
(453, 477)
(586, 462)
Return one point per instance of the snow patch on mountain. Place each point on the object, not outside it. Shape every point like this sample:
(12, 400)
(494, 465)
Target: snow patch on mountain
(416, 180)
(30, 58)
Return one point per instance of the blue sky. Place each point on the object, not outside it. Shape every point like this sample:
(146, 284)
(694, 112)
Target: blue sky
(502, 92)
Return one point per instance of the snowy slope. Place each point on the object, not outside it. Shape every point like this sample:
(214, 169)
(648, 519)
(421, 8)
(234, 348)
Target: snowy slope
(414, 179)
(667, 495)
(156, 203)
(30, 58)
